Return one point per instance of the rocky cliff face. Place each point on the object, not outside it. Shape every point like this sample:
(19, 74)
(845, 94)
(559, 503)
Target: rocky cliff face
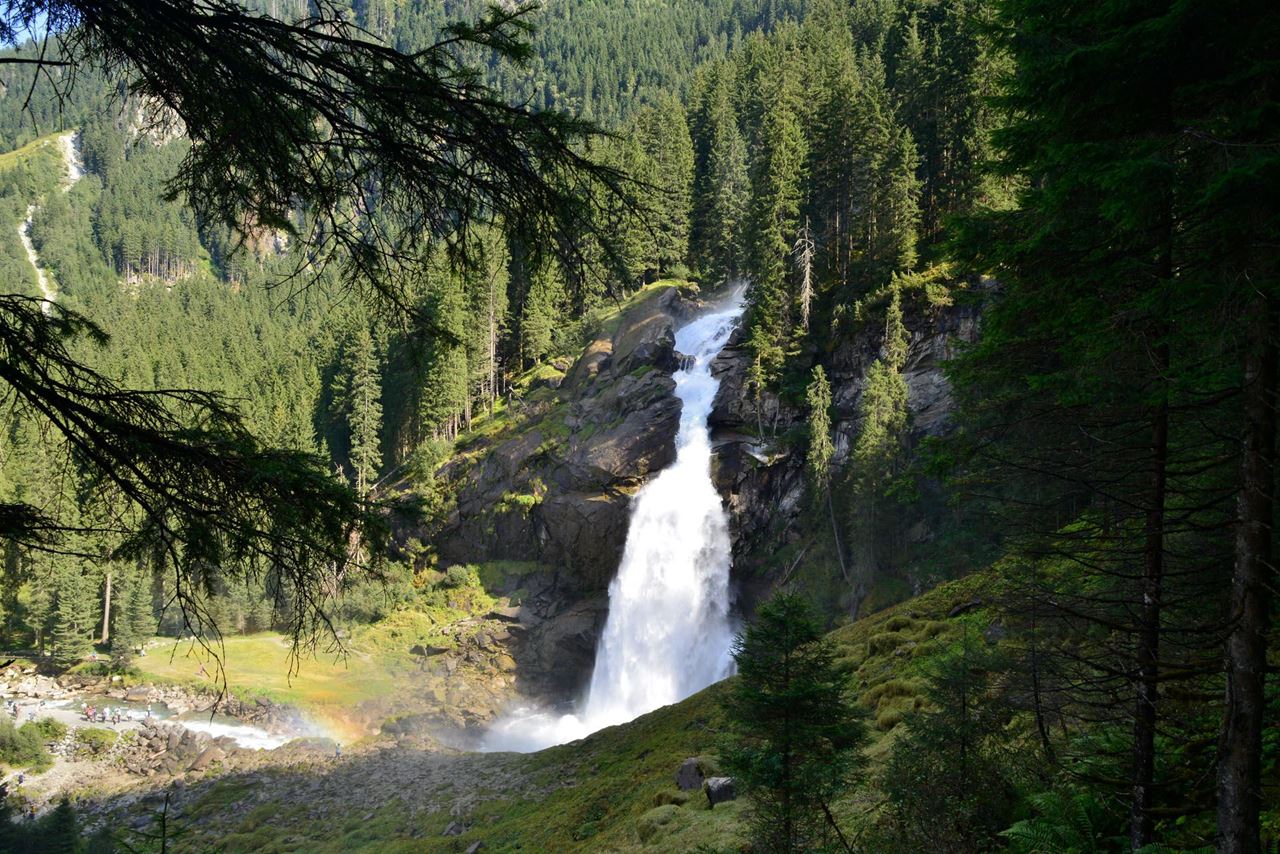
(760, 469)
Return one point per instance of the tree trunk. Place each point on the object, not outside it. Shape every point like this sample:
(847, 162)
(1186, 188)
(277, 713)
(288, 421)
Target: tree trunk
(106, 611)
(1240, 749)
(1148, 645)
(835, 533)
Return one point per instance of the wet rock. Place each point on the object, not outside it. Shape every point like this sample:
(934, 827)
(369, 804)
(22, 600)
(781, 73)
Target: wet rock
(719, 790)
(611, 424)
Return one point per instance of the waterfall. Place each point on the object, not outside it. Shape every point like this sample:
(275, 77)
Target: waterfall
(668, 633)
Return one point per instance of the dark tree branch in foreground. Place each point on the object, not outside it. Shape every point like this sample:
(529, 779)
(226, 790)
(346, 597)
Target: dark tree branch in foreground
(179, 474)
(369, 158)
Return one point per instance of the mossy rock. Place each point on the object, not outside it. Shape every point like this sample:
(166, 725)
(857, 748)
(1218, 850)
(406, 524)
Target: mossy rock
(672, 796)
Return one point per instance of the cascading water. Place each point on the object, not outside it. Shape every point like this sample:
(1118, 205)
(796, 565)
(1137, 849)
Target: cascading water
(668, 633)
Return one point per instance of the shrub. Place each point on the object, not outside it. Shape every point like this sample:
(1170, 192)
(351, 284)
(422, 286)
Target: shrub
(22, 748)
(94, 740)
(457, 576)
(884, 643)
(49, 729)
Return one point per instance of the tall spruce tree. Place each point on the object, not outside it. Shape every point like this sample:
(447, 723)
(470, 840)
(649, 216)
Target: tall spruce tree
(73, 613)
(879, 450)
(778, 189)
(796, 738)
(1107, 388)
(364, 410)
(724, 186)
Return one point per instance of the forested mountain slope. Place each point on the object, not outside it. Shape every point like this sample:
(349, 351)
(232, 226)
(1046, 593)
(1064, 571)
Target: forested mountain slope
(999, 412)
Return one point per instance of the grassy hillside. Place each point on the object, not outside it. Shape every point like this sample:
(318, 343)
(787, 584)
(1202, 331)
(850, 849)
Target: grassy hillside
(260, 665)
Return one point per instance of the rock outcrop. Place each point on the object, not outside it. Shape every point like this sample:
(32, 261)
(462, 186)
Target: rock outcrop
(763, 479)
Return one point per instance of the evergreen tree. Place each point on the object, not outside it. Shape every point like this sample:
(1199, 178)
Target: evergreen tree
(364, 410)
(1088, 396)
(60, 830)
(879, 450)
(664, 132)
(796, 738)
(818, 461)
(442, 387)
(724, 187)
(777, 192)
(73, 613)
(949, 780)
(132, 623)
(541, 310)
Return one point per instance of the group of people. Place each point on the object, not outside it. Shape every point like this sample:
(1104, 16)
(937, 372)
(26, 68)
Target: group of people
(12, 707)
(104, 715)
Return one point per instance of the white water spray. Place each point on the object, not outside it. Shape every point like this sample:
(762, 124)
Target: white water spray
(668, 633)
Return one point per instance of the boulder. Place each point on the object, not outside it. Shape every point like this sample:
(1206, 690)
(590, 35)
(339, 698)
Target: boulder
(455, 828)
(689, 776)
(207, 757)
(427, 650)
(719, 790)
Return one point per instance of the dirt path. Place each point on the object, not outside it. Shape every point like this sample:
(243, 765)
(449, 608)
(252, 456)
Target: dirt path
(75, 171)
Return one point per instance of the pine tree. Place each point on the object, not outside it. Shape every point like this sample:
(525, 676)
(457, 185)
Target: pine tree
(541, 311)
(73, 613)
(879, 449)
(364, 410)
(818, 461)
(821, 450)
(777, 192)
(796, 738)
(443, 386)
(60, 831)
(1132, 138)
(948, 781)
(670, 148)
(133, 622)
(725, 186)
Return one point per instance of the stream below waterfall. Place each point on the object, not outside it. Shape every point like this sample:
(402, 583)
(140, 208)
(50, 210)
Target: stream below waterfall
(668, 633)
